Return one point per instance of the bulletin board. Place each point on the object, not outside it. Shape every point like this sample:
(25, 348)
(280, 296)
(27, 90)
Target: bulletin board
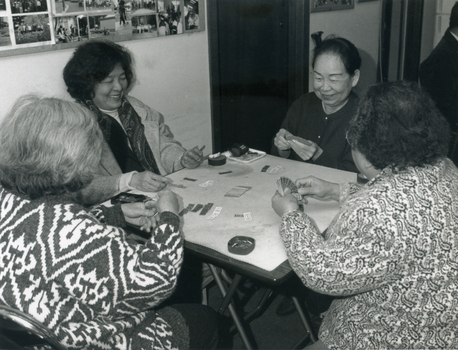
(41, 25)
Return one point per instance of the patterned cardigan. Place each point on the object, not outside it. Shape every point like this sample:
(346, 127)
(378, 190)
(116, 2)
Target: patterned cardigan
(77, 275)
(391, 255)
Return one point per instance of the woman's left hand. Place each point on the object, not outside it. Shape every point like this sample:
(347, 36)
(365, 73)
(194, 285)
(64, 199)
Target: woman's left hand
(192, 158)
(283, 204)
(140, 214)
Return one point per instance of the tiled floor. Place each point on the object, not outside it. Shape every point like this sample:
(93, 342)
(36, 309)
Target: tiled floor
(270, 331)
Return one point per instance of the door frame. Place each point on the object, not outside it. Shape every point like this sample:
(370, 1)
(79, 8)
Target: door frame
(298, 59)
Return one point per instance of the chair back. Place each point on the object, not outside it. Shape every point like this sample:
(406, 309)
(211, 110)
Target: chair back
(19, 330)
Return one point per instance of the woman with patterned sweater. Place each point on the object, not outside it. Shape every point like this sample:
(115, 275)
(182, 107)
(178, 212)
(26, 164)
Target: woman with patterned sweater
(72, 269)
(391, 253)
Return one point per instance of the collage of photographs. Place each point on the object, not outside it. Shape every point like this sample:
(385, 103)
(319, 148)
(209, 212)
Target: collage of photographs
(25, 23)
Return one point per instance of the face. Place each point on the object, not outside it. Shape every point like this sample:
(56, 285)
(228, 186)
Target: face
(109, 92)
(331, 82)
(363, 165)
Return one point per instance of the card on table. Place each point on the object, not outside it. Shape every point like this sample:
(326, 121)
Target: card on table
(237, 191)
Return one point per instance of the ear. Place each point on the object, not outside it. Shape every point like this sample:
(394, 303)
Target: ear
(355, 78)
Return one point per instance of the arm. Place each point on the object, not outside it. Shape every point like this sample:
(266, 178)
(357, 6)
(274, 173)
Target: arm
(357, 254)
(166, 149)
(128, 278)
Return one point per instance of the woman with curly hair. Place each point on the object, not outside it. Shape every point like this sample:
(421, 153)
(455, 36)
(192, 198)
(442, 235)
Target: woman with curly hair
(140, 148)
(390, 254)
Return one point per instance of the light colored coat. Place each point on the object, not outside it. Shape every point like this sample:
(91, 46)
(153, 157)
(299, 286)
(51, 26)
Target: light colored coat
(166, 150)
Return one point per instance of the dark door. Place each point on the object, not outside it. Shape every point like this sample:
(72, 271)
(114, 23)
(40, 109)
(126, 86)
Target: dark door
(252, 43)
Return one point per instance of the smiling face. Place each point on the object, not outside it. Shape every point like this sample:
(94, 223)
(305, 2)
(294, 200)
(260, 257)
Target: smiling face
(109, 92)
(331, 81)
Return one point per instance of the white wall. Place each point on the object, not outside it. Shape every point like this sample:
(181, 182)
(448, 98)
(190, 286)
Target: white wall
(361, 26)
(172, 77)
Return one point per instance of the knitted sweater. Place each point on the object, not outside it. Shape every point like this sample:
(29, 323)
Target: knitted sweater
(391, 254)
(76, 274)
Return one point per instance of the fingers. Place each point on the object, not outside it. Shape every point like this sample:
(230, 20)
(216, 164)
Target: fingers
(193, 158)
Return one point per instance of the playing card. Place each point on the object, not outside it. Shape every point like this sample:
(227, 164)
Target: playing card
(284, 183)
(298, 139)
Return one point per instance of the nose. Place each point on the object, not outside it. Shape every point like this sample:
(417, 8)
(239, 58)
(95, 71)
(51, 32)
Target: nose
(117, 85)
(325, 86)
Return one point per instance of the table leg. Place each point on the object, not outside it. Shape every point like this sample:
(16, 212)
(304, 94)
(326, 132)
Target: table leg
(230, 305)
(304, 318)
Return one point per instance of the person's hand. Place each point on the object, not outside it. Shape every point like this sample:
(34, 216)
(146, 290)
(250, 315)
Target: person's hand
(283, 204)
(319, 189)
(149, 182)
(167, 201)
(305, 150)
(140, 214)
(280, 140)
(193, 157)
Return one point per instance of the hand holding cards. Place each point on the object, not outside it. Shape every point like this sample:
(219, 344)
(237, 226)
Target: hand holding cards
(304, 148)
(286, 185)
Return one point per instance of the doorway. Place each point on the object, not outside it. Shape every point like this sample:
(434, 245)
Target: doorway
(259, 65)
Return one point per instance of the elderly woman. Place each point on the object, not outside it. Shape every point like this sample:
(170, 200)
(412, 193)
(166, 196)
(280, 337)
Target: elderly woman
(391, 252)
(72, 269)
(139, 147)
(315, 125)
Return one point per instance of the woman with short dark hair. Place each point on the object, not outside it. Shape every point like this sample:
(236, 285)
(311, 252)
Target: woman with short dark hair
(390, 255)
(71, 268)
(140, 148)
(315, 125)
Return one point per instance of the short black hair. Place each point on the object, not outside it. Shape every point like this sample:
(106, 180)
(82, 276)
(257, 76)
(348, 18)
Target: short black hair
(341, 47)
(399, 125)
(92, 62)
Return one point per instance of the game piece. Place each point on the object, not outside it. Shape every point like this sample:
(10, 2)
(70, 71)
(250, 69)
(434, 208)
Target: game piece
(237, 191)
(197, 208)
(215, 213)
(189, 179)
(225, 172)
(264, 169)
(206, 208)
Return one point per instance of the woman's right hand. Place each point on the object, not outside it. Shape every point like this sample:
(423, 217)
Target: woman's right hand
(313, 187)
(280, 140)
(149, 182)
(167, 201)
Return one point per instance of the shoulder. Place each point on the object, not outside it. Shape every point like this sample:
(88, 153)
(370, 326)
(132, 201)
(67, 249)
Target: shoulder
(145, 112)
(306, 102)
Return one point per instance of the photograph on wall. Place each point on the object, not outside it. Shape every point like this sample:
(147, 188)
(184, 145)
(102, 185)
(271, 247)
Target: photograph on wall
(193, 15)
(170, 17)
(67, 6)
(31, 29)
(331, 5)
(143, 26)
(28, 6)
(2, 5)
(5, 39)
(70, 29)
(102, 26)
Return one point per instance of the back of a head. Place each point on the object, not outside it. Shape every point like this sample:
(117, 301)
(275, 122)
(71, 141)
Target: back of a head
(49, 147)
(399, 125)
(92, 62)
(342, 48)
(454, 17)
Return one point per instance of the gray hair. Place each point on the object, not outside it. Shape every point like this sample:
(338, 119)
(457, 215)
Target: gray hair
(49, 147)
